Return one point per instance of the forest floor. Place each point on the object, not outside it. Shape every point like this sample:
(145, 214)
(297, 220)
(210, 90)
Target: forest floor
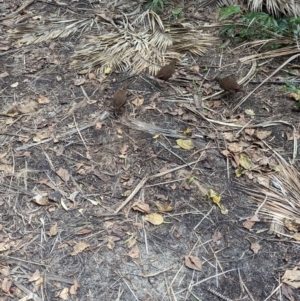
(96, 206)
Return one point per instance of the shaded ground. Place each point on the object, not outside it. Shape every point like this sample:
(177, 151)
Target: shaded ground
(59, 198)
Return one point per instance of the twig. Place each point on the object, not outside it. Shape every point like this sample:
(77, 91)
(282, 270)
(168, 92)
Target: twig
(100, 117)
(22, 7)
(266, 79)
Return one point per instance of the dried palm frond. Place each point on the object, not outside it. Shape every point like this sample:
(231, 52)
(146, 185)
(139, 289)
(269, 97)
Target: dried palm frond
(49, 30)
(219, 3)
(143, 43)
(280, 202)
(275, 7)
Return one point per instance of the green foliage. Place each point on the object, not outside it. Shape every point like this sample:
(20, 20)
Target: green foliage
(176, 12)
(292, 88)
(156, 5)
(257, 26)
(228, 11)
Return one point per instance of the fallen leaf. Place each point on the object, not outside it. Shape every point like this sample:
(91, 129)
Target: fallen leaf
(41, 200)
(193, 262)
(164, 208)
(107, 70)
(64, 294)
(53, 230)
(154, 219)
(14, 85)
(63, 174)
(255, 247)
(138, 101)
(250, 112)
(41, 136)
(245, 161)
(214, 197)
(79, 247)
(248, 224)
(6, 285)
(43, 99)
(138, 205)
(235, 147)
(124, 149)
(134, 252)
(262, 134)
(74, 288)
(84, 231)
(185, 144)
(292, 278)
(79, 81)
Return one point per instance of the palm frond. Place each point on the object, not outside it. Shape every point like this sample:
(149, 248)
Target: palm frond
(49, 30)
(143, 43)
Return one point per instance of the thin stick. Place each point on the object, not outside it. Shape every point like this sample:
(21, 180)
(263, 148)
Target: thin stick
(266, 79)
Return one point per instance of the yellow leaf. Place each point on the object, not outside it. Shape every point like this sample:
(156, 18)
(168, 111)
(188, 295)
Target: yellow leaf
(215, 197)
(154, 219)
(245, 161)
(156, 136)
(187, 132)
(249, 112)
(185, 144)
(239, 172)
(164, 208)
(107, 70)
(295, 96)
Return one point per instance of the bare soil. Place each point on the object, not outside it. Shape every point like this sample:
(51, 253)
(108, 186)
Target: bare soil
(61, 233)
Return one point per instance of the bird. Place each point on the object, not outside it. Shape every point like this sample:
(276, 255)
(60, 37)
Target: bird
(120, 97)
(166, 71)
(229, 84)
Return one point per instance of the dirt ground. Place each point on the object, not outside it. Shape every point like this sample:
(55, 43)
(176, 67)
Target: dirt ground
(68, 164)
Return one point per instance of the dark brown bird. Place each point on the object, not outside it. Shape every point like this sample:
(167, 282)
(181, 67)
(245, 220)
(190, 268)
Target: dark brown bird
(166, 71)
(229, 84)
(120, 98)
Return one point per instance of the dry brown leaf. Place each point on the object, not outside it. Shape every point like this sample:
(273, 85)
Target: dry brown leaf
(84, 231)
(134, 252)
(255, 247)
(74, 288)
(164, 208)
(292, 278)
(138, 101)
(63, 174)
(27, 108)
(35, 276)
(262, 134)
(6, 285)
(124, 149)
(79, 247)
(43, 99)
(7, 169)
(248, 224)
(154, 219)
(138, 205)
(53, 230)
(64, 294)
(41, 136)
(193, 262)
(111, 245)
(235, 147)
(230, 136)
(291, 225)
(41, 200)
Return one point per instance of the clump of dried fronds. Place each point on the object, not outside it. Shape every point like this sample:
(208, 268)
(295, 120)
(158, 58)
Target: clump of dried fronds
(273, 7)
(48, 30)
(279, 202)
(139, 44)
